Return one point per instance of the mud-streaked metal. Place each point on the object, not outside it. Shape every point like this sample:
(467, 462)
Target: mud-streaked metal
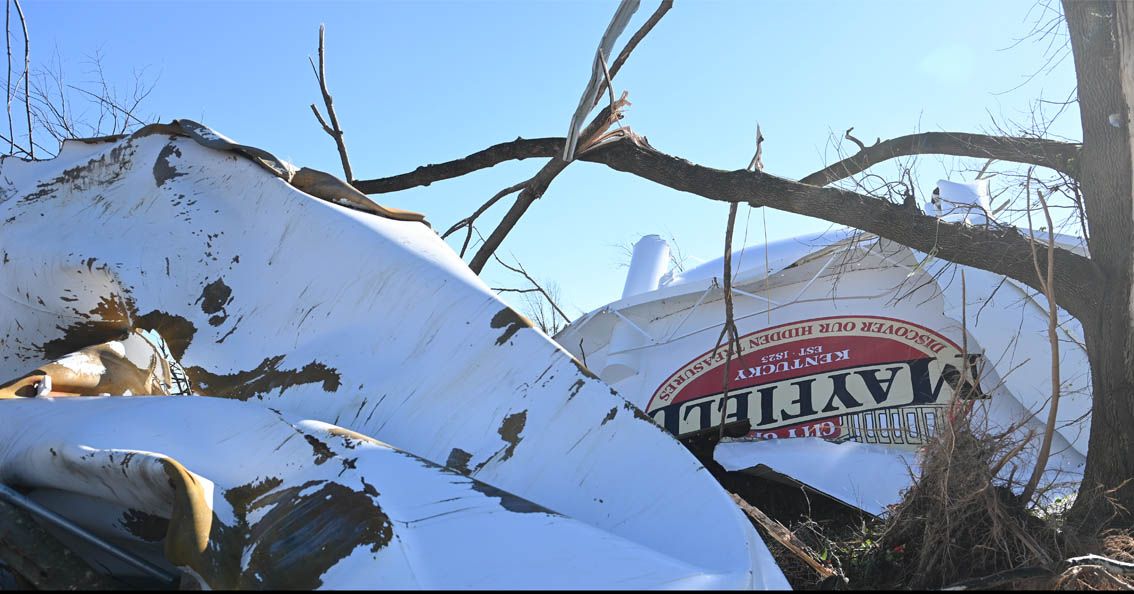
(296, 305)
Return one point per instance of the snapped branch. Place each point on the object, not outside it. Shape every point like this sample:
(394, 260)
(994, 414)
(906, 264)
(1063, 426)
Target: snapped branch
(534, 188)
(515, 150)
(333, 130)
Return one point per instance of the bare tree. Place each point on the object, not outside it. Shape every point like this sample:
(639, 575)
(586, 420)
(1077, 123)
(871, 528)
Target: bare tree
(45, 102)
(540, 303)
(1097, 289)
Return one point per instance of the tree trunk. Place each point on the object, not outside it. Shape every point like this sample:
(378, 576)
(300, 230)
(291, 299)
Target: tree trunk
(1102, 39)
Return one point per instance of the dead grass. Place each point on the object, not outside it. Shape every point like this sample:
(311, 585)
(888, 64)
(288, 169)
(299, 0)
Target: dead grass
(959, 524)
(959, 521)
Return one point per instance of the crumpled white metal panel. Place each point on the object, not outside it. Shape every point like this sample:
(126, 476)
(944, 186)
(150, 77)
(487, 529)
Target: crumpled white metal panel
(821, 293)
(309, 505)
(325, 313)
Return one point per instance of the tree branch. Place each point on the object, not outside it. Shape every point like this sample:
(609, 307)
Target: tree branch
(468, 221)
(334, 130)
(1060, 156)
(27, 76)
(507, 151)
(591, 93)
(538, 184)
(1002, 250)
(637, 38)
(515, 150)
(8, 44)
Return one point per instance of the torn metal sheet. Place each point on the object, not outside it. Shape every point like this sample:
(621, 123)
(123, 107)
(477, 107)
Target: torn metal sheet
(867, 476)
(323, 313)
(846, 338)
(302, 505)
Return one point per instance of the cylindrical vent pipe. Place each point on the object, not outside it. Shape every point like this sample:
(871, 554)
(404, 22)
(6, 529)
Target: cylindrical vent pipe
(647, 265)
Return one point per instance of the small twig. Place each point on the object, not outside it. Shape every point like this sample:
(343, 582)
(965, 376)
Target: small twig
(334, 130)
(609, 82)
(27, 75)
(729, 330)
(8, 44)
(468, 221)
(107, 102)
(638, 36)
(757, 163)
(848, 136)
(984, 168)
(510, 290)
(519, 269)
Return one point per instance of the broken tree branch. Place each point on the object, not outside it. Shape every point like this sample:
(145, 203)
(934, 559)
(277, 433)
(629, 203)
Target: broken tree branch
(1060, 156)
(637, 38)
(334, 130)
(593, 90)
(1112, 566)
(515, 150)
(1001, 250)
(468, 221)
(729, 331)
(861, 147)
(1048, 284)
(596, 84)
(8, 44)
(783, 536)
(538, 184)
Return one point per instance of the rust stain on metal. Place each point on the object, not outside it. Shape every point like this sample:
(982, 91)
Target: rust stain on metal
(109, 320)
(638, 414)
(214, 297)
(102, 171)
(609, 416)
(583, 369)
(264, 378)
(459, 460)
(147, 527)
(322, 451)
(575, 387)
(176, 331)
(509, 501)
(220, 562)
(511, 321)
(302, 536)
(163, 169)
(510, 432)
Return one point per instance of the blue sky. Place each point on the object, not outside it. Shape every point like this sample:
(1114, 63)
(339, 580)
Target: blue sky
(422, 82)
